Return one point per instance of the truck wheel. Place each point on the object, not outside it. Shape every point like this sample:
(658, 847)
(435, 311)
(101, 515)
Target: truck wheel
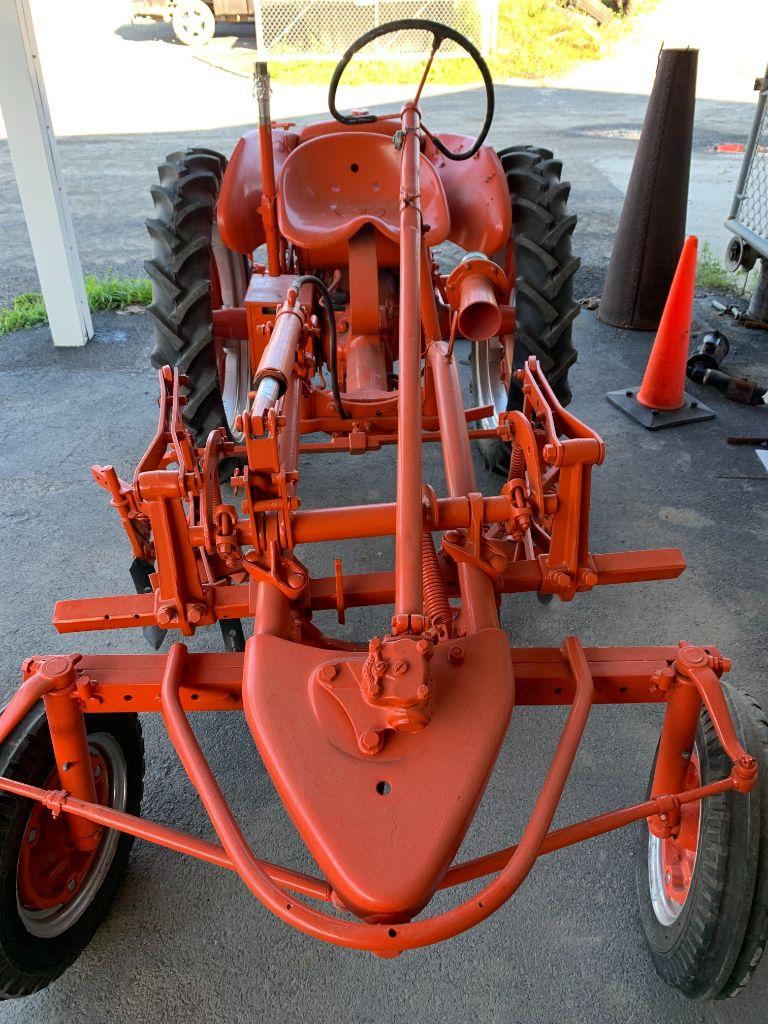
(193, 273)
(704, 895)
(193, 22)
(543, 296)
(53, 896)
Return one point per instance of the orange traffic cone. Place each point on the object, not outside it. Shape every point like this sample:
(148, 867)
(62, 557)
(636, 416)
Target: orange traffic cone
(661, 400)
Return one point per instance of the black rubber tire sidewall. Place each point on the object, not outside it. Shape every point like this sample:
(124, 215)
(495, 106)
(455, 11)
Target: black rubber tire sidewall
(180, 271)
(698, 952)
(29, 963)
(542, 228)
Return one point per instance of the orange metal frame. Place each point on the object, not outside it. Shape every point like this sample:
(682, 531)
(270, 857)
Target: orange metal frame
(420, 710)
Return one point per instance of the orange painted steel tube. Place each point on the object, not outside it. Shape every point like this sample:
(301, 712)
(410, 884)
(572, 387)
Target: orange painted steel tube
(273, 610)
(22, 702)
(478, 596)
(409, 516)
(73, 760)
(479, 313)
(366, 365)
(268, 187)
(676, 742)
(378, 938)
(132, 611)
(161, 835)
(380, 520)
(577, 833)
(430, 319)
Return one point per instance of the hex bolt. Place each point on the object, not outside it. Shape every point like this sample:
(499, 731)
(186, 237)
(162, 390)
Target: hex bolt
(328, 671)
(196, 613)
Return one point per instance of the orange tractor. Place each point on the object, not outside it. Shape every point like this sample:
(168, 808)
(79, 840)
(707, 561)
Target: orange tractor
(344, 341)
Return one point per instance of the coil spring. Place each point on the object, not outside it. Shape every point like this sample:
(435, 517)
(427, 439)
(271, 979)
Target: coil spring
(516, 462)
(436, 605)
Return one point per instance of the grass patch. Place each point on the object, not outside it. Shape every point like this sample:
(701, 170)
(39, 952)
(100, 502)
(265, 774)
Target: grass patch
(710, 272)
(535, 39)
(108, 292)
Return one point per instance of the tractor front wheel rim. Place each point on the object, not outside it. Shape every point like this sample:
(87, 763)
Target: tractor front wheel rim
(56, 882)
(671, 861)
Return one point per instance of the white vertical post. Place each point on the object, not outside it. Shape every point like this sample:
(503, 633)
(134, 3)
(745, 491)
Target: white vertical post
(38, 175)
(258, 25)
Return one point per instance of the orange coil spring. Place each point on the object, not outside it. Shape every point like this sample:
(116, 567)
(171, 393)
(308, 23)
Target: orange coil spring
(516, 463)
(436, 606)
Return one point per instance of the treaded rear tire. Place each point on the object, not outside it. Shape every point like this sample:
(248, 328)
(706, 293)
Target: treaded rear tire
(714, 947)
(542, 230)
(545, 265)
(181, 234)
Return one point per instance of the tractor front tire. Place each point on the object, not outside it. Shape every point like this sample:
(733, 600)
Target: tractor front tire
(705, 914)
(193, 273)
(52, 896)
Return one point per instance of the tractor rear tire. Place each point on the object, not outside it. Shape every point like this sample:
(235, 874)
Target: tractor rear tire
(192, 273)
(542, 230)
(709, 944)
(39, 936)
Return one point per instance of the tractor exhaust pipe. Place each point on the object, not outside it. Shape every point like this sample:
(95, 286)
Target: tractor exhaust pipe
(473, 290)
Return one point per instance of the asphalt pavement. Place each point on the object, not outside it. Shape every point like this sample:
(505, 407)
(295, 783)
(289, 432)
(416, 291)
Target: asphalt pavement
(185, 941)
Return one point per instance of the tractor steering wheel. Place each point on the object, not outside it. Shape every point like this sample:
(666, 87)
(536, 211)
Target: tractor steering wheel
(439, 34)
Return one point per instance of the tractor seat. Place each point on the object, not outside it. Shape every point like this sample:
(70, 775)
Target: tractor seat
(333, 185)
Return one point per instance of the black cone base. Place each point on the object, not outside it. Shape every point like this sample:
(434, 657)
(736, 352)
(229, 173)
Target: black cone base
(691, 411)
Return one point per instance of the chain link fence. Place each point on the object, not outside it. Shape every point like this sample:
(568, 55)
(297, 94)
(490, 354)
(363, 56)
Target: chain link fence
(749, 211)
(323, 29)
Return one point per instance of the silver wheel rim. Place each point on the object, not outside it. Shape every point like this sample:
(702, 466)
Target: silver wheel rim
(665, 908)
(53, 921)
(237, 370)
(487, 386)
